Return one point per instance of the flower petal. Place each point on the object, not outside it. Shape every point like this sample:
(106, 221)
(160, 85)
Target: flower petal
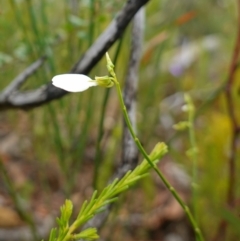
(73, 82)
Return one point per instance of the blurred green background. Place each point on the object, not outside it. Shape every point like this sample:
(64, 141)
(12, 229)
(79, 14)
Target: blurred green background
(187, 49)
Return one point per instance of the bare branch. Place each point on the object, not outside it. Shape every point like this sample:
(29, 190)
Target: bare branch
(20, 79)
(47, 93)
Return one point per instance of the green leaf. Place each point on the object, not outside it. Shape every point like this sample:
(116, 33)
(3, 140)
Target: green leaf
(181, 126)
(111, 200)
(66, 212)
(82, 209)
(53, 234)
(87, 234)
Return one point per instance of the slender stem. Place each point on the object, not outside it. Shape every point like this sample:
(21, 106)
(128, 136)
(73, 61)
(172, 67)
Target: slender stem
(192, 138)
(194, 168)
(20, 23)
(141, 149)
(92, 22)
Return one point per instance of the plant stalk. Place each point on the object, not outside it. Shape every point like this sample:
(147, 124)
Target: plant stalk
(186, 209)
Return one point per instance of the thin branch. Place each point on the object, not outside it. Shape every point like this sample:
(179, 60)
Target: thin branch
(21, 78)
(231, 107)
(47, 93)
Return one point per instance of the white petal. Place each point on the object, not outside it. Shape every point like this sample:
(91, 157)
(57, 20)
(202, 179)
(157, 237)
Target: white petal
(73, 82)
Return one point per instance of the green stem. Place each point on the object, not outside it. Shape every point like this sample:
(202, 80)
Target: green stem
(24, 29)
(141, 149)
(194, 158)
(92, 21)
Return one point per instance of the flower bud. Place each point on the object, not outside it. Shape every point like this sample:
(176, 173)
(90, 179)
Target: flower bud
(104, 81)
(110, 65)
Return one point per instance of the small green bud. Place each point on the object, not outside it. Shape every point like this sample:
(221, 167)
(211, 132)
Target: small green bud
(104, 81)
(183, 125)
(189, 107)
(187, 98)
(194, 185)
(158, 151)
(87, 234)
(110, 65)
(66, 210)
(192, 151)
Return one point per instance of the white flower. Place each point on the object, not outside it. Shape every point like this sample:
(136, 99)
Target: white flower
(73, 82)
